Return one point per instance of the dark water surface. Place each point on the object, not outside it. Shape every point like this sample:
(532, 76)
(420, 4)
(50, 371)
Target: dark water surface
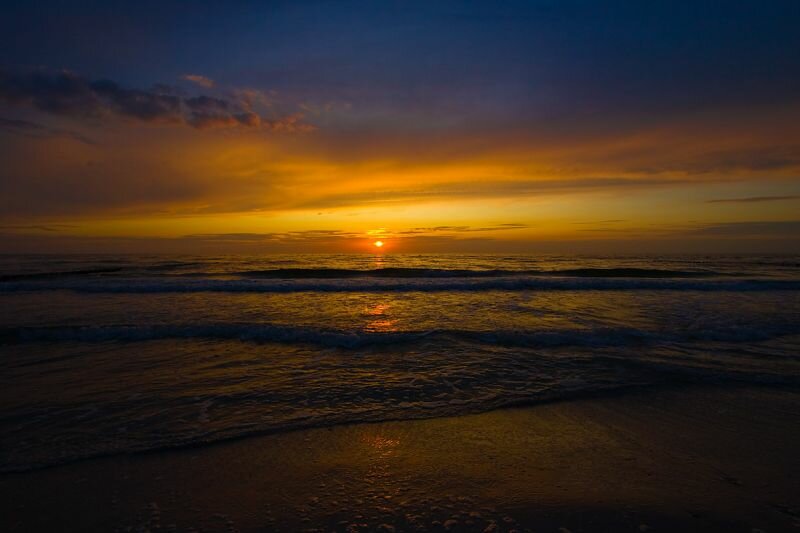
(107, 354)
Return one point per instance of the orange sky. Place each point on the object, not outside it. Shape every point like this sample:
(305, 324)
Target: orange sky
(520, 156)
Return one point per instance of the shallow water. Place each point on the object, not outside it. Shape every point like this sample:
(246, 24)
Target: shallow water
(107, 354)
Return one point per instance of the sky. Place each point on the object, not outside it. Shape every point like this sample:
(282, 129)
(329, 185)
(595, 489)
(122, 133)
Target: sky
(558, 126)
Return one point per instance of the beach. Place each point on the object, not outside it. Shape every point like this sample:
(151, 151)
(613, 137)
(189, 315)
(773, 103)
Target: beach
(711, 458)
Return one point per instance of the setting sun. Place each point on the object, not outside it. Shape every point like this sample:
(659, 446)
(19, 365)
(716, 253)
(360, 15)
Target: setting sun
(378, 244)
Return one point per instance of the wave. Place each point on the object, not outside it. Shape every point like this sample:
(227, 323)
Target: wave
(351, 339)
(60, 274)
(512, 283)
(172, 265)
(349, 273)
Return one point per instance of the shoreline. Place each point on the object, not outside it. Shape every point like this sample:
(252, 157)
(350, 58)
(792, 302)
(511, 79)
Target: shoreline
(583, 395)
(690, 458)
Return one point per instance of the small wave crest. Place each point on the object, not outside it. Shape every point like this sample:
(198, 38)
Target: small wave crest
(511, 283)
(59, 274)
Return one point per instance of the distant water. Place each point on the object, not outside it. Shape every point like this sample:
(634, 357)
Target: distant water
(109, 354)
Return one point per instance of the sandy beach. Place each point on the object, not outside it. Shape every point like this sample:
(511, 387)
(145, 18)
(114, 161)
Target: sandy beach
(687, 459)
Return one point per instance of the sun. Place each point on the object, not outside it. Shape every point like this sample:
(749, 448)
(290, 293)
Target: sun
(378, 244)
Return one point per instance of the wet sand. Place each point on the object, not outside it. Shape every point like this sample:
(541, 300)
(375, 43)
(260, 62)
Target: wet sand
(689, 459)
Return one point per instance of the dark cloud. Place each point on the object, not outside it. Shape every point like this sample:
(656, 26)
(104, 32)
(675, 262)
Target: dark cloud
(162, 88)
(784, 228)
(207, 104)
(461, 229)
(753, 199)
(769, 159)
(612, 221)
(143, 105)
(209, 112)
(50, 228)
(64, 93)
(234, 237)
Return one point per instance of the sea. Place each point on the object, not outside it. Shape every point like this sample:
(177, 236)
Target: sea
(112, 354)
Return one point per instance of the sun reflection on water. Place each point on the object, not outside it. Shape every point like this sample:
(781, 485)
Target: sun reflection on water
(378, 320)
(383, 446)
(378, 260)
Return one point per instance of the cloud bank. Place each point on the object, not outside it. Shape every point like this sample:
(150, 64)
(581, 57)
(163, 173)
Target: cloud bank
(753, 199)
(64, 93)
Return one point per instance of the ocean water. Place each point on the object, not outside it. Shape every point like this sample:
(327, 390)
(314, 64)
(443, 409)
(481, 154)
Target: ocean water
(115, 354)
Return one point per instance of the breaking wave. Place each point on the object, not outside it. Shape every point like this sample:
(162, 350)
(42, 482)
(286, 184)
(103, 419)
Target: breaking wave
(351, 339)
